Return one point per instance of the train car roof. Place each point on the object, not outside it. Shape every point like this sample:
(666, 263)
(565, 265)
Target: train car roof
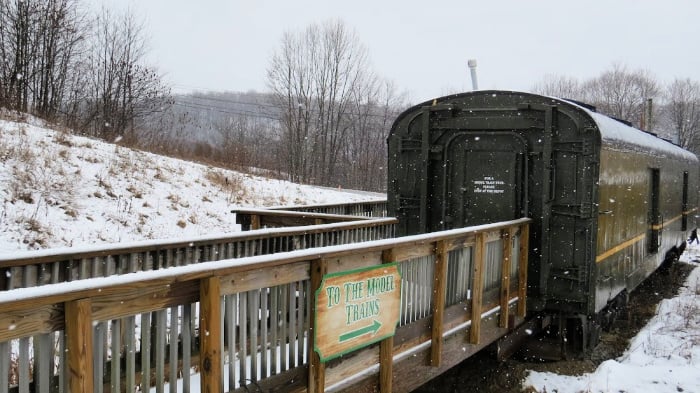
(616, 132)
(613, 132)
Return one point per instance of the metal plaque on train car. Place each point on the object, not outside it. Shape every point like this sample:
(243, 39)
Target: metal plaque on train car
(356, 308)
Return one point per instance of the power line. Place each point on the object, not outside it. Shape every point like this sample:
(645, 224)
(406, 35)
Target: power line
(255, 114)
(252, 111)
(229, 101)
(196, 96)
(223, 110)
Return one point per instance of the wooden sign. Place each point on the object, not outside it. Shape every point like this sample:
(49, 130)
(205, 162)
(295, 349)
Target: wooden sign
(355, 309)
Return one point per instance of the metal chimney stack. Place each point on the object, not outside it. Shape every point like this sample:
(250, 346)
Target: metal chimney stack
(472, 68)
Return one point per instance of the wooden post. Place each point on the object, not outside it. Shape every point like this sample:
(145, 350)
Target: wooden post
(386, 363)
(477, 288)
(317, 369)
(78, 315)
(439, 290)
(505, 275)
(210, 334)
(522, 267)
(386, 347)
(254, 221)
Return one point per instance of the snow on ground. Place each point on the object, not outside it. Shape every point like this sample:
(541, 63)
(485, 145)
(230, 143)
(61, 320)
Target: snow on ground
(61, 190)
(663, 357)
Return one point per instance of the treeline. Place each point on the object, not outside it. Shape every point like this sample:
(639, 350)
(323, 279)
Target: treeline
(61, 63)
(325, 121)
(228, 129)
(671, 110)
(335, 112)
(246, 131)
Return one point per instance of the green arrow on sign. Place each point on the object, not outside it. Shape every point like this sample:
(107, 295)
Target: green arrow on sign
(373, 328)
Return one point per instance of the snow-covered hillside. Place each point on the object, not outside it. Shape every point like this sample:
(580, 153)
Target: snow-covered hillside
(62, 190)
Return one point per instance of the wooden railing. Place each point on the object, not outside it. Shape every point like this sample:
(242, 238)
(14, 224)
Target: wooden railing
(252, 219)
(35, 268)
(360, 209)
(244, 324)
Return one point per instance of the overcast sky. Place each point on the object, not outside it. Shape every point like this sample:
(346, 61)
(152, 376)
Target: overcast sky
(423, 46)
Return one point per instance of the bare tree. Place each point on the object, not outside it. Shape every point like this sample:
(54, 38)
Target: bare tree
(683, 112)
(60, 41)
(39, 46)
(289, 78)
(559, 86)
(235, 139)
(122, 89)
(18, 50)
(374, 108)
(313, 77)
(621, 93)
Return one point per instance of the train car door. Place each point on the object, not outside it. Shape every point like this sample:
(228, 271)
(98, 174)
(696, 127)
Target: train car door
(655, 219)
(486, 179)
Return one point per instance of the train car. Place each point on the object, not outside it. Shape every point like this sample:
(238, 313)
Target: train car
(610, 203)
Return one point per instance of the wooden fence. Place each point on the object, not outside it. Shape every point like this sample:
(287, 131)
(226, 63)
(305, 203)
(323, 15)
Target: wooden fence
(252, 219)
(29, 269)
(361, 209)
(245, 324)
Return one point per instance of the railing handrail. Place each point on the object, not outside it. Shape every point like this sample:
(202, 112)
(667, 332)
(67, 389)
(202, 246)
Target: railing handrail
(54, 294)
(86, 309)
(21, 258)
(294, 213)
(327, 205)
(263, 218)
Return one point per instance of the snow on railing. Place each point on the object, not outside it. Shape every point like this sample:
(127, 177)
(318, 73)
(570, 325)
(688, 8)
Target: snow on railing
(376, 208)
(35, 268)
(247, 323)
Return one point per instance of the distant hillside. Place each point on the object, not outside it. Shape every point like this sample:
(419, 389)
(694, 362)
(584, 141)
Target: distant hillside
(63, 190)
(205, 117)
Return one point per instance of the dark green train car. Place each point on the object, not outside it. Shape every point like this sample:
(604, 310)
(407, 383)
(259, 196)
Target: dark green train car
(609, 202)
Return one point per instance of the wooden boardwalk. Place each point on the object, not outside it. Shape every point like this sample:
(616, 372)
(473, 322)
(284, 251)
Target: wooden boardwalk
(245, 323)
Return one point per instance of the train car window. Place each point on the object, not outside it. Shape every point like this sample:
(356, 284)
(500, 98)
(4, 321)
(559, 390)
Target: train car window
(684, 207)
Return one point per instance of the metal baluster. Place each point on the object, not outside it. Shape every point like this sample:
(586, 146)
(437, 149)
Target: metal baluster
(230, 331)
(98, 356)
(23, 365)
(186, 346)
(303, 297)
(173, 344)
(420, 287)
(243, 337)
(292, 354)
(42, 362)
(62, 380)
(56, 272)
(283, 328)
(130, 350)
(264, 318)
(4, 366)
(274, 327)
(161, 318)
(145, 351)
(133, 262)
(115, 381)
(254, 308)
